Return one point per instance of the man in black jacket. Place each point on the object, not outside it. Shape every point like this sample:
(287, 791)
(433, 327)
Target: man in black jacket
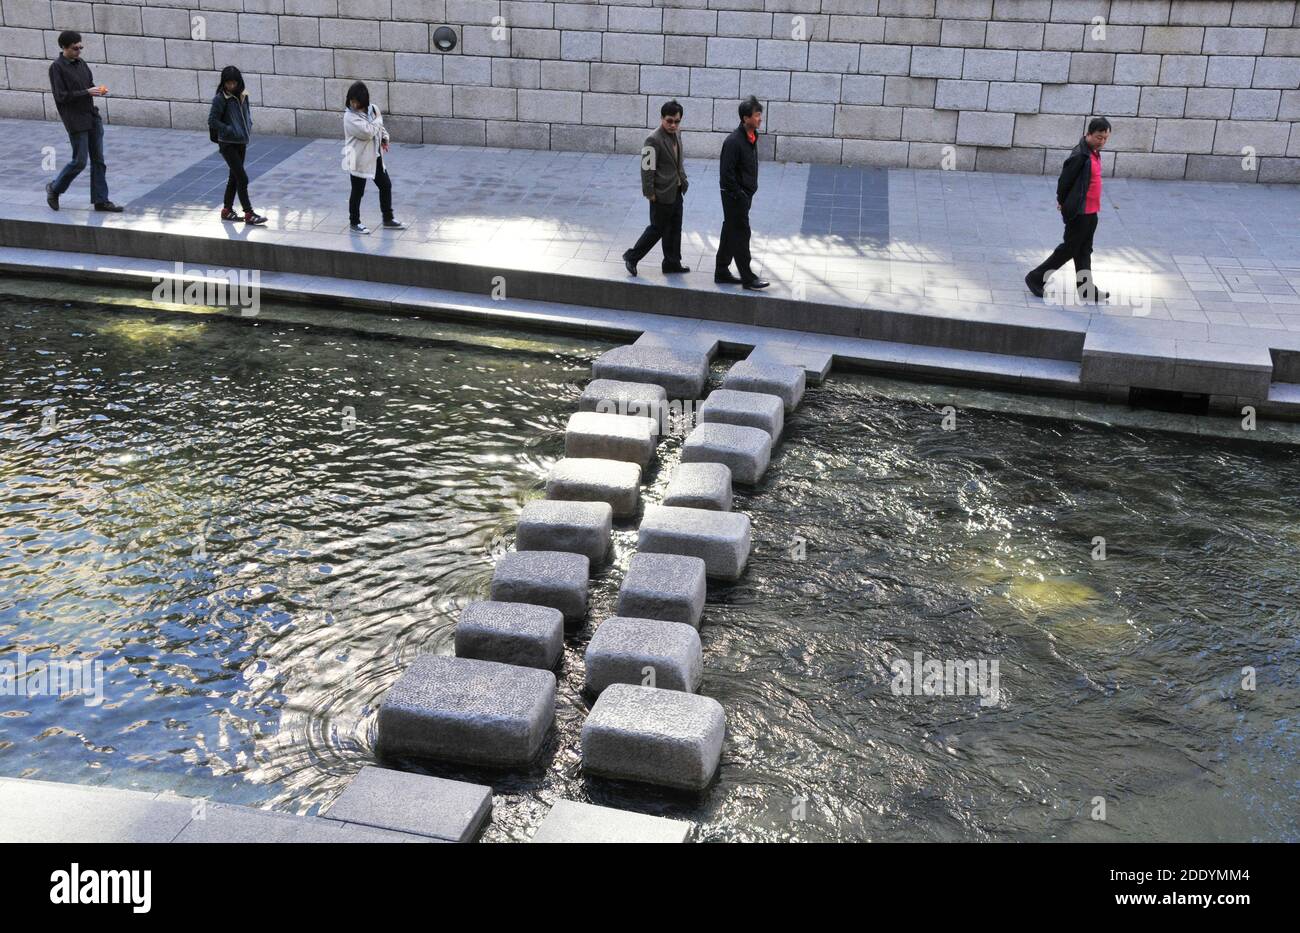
(1078, 198)
(738, 179)
(74, 90)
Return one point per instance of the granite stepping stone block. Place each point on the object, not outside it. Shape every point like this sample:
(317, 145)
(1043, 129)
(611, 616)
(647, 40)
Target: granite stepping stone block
(671, 587)
(543, 578)
(700, 486)
(572, 821)
(745, 451)
(589, 479)
(720, 539)
(654, 736)
(454, 811)
(816, 364)
(575, 527)
(467, 711)
(749, 409)
(600, 436)
(511, 633)
(681, 372)
(650, 652)
(616, 397)
(761, 375)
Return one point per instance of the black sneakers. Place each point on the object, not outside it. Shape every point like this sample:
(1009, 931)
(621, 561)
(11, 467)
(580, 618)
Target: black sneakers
(1034, 284)
(51, 198)
(109, 207)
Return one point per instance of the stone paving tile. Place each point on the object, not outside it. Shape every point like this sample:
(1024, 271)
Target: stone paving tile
(955, 242)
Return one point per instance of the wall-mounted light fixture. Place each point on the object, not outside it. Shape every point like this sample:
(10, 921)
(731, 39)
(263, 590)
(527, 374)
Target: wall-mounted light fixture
(444, 38)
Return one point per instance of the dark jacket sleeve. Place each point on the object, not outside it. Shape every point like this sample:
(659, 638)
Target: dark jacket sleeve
(729, 166)
(59, 85)
(216, 115)
(648, 174)
(1069, 172)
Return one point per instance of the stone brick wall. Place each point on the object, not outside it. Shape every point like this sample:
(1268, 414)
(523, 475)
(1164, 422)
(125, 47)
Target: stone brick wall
(1202, 89)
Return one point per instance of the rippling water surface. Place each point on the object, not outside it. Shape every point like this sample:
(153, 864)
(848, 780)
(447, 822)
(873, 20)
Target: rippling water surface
(254, 569)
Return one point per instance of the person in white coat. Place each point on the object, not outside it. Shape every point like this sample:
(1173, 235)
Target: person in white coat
(364, 141)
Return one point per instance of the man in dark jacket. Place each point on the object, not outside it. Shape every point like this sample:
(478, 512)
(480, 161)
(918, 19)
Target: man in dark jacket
(664, 184)
(1078, 198)
(738, 179)
(74, 90)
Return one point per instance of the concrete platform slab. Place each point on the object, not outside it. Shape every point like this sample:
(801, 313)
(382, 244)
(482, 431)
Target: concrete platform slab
(453, 811)
(748, 409)
(600, 436)
(543, 578)
(511, 633)
(745, 451)
(672, 587)
(786, 382)
(572, 527)
(571, 821)
(467, 711)
(662, 737)
(720, 539)
(649, 652)
(589, 479)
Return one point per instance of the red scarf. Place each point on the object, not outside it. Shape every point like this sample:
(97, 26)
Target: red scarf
(753, 137)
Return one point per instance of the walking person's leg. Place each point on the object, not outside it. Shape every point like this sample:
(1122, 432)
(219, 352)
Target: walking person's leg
(98, 170)
(236, 178)
(385, 186)
(726, 243)
(1088, 290)
(741, 247)
(672, 237)
(647, 240)
(1063, 253)
(354, 199)
(80, 147)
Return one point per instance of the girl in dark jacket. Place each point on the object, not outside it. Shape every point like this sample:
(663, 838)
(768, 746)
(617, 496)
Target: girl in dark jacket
(230, 126)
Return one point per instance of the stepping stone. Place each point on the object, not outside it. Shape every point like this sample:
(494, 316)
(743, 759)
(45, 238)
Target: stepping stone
(816, 364)
(588, 479)
(759, 375)
(671, 587)
(571, 821)
(682, 373)
(543, 578)
(454, 811)
(704, 342)
(467, 711)
(720, 539)
(749, 409)
(615, 397)
(700, 486)
(601, 436)
(649, 652)
(662, 737)
(574, 527)
(746, 451)
(511, 633)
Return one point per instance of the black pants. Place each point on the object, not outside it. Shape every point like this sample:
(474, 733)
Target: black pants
(385, 187)
(665, 225)
(1077, 245)
(234, 153)
(734, 242)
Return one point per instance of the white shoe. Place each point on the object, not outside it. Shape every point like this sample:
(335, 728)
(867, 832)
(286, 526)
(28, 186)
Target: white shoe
(358, 228)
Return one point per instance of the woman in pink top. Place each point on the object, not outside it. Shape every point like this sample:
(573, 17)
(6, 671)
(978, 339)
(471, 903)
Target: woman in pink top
(1078, 198)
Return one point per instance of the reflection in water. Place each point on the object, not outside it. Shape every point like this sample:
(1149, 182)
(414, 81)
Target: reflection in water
(254, 570)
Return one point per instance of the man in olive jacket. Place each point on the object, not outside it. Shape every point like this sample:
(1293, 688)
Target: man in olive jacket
(74, 92)
(1078, 198)
(664, 184)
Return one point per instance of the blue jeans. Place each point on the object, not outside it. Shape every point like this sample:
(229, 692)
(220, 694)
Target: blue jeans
(86, 143)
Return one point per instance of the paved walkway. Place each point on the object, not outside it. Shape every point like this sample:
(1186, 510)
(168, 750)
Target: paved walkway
(894, 239)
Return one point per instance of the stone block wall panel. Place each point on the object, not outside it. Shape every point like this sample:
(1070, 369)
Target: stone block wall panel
(1193, 86)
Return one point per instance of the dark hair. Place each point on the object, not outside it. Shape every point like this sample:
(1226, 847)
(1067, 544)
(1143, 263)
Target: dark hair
(69, 37)
(360, 93)
(231, 73)
(672, 108)
(750, 106)
(1098, 125)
